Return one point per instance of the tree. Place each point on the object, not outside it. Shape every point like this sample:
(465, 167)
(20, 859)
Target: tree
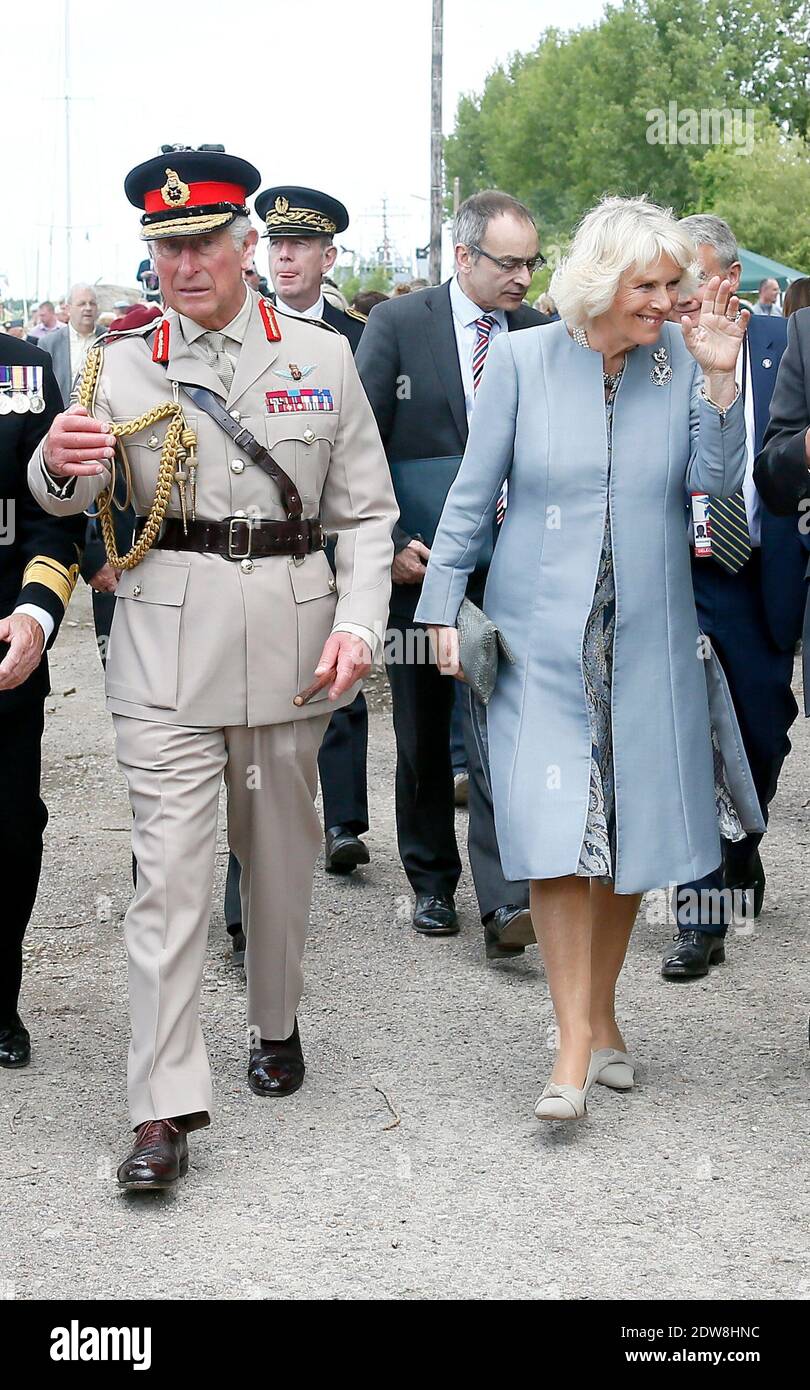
(577, 116)
(764, 196)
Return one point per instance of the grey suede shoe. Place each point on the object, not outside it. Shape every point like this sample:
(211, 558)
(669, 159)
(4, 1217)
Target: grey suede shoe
(614, 1069)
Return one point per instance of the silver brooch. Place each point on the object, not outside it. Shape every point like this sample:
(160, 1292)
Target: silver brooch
(661, 373)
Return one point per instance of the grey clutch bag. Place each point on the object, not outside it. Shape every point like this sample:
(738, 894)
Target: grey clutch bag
(481, 645)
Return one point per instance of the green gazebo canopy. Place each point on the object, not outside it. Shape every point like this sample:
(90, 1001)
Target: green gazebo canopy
(757, 268)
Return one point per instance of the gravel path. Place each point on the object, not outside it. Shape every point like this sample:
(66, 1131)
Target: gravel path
(410, 1165)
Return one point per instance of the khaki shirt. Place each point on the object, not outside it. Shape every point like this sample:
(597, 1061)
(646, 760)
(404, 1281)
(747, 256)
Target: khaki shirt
(198, 639)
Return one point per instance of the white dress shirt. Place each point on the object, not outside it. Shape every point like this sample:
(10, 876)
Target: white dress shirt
(465, 314)
(41, 615)
(315, 311)
(80, 344)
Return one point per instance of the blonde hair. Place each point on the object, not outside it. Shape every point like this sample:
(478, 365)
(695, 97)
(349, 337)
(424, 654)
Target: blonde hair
(618, 235)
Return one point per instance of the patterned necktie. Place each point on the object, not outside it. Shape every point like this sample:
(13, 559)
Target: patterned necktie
(213, 352)
(484, 327)
(731, 539)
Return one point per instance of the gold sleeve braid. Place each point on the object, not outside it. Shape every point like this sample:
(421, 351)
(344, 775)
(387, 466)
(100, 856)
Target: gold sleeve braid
(179, 441)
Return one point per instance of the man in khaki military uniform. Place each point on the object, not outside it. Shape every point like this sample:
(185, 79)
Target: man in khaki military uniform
(231, 612)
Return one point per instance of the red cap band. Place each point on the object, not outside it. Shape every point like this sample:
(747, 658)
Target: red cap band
(201, 195)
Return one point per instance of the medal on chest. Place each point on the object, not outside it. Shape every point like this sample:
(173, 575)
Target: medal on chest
(21, 390)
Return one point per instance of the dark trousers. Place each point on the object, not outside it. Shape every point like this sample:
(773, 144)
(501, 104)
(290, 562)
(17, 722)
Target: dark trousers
(423, 707)
(458, 750)
(731, 612)
(23, 818)
(342, 767)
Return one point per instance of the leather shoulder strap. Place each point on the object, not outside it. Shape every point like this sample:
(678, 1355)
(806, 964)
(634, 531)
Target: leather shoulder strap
(243, 439)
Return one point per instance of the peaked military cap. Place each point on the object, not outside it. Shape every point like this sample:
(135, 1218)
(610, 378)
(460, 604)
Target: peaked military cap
(186, 192)
(290, 211)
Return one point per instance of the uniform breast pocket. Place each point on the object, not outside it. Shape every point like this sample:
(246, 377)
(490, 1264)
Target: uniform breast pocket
(313, 587)
(143, 664)
(302, 445)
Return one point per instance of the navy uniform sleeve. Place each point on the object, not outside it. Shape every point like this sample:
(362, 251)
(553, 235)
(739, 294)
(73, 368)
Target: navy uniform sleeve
(49, 546)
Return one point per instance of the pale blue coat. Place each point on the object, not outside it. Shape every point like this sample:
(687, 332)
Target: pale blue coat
(539, 421)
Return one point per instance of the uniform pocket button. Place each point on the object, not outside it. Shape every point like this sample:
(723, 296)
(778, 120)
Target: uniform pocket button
(136, 592)
(246, 566)
(309, 435)
(237, 466)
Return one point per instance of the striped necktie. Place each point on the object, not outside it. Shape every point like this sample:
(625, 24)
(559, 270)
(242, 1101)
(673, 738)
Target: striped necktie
(731, 539)
(484, 327)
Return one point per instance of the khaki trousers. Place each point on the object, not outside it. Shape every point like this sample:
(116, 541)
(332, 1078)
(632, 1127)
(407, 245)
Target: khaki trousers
(174, 775)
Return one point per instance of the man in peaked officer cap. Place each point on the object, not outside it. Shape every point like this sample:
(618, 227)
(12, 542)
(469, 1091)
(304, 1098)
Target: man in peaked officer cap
(301, 224)
(219, 622)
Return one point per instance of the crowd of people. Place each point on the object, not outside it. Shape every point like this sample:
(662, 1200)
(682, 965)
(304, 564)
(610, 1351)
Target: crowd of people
(267, 489)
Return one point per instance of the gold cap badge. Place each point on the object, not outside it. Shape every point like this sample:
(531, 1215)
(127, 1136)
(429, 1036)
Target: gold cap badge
(281, 205)
(174, 192)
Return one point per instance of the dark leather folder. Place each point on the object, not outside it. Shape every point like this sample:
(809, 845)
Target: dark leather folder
(421, 487)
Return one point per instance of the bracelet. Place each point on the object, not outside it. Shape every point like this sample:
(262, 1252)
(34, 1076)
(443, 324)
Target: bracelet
(721, 409)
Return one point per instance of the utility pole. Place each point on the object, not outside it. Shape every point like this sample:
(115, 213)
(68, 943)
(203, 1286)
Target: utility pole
(436, 181)
(68, 209)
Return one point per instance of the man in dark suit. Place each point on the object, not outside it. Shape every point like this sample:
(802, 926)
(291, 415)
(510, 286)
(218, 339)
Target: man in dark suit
(782, 469)
(301, 225)
(749, 595)
(420, 360)
(39, 557)
(67, 346)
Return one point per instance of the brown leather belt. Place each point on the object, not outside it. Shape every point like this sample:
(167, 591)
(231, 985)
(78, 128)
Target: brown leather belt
(241, 537)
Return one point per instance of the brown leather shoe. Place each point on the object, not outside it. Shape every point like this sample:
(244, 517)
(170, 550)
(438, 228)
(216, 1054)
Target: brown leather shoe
(159, 1158)
(277, 1068)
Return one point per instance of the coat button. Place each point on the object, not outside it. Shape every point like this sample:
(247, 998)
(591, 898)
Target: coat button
(246, 566)
(766, 362)
(234, 414)
(237, 466)
(136, 592)
(309, 435)
(332, 585)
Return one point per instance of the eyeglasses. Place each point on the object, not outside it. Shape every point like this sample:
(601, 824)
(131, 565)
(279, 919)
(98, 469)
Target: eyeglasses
(509, 264)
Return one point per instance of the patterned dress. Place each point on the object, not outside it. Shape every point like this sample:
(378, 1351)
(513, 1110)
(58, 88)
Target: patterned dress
(599, 841)
(598, 854)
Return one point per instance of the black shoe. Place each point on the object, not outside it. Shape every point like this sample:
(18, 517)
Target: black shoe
(239, 948)
(692, 955)
(435, 915)
(15, 1044)
(343, 850)
(277, 1068)
(507, 932)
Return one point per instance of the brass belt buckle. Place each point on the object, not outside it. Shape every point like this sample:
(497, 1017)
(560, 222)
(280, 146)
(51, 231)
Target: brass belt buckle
(233, 553)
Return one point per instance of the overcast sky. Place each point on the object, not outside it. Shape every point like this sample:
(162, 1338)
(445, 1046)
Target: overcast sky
(335, 96)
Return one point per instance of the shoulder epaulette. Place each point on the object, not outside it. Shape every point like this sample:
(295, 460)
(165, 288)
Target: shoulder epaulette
(107, 338)
(355, 314)
(318, 323)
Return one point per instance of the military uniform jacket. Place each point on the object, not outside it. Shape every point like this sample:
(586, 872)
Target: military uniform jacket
(196, 638)
(38, 554)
